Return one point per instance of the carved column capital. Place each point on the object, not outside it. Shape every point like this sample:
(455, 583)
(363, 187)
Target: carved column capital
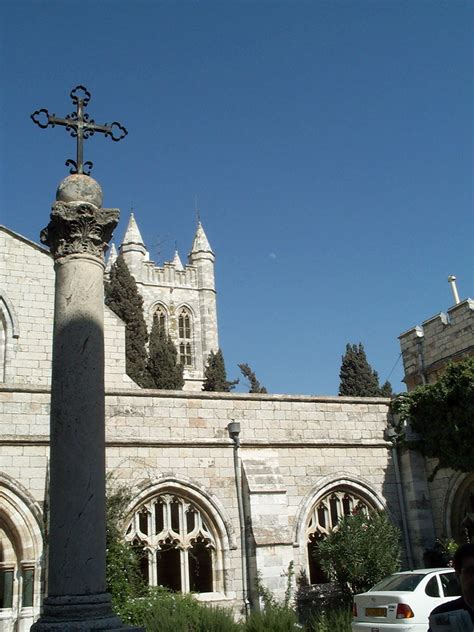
(79, 228)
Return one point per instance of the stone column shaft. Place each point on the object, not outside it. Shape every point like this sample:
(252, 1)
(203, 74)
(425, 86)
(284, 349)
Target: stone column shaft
(77, 497)
(77, 235)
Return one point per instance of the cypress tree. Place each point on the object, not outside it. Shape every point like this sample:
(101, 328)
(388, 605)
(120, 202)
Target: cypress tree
(163, 367)
(356, 375)
(123, 298)
(254, 384)
(386, 389)
(215, 376)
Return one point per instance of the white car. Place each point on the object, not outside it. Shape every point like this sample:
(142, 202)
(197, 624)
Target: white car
(402, 602)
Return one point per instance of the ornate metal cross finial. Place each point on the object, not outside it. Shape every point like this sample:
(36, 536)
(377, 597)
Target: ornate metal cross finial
(80, 126)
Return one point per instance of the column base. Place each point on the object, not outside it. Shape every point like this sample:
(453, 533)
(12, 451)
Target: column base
(79, 613)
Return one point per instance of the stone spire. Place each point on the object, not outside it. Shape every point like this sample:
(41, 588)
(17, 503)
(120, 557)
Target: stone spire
(133, 249)
(177, 261)
(132, 235)
(112, 258)
(200, 243)
(202, 257)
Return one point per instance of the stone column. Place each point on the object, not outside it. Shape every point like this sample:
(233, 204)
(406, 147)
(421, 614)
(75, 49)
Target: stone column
(77, 235)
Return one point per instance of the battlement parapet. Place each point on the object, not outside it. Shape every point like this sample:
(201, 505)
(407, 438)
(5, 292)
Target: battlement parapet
(461, 312)
(170, 275)
(446, 336)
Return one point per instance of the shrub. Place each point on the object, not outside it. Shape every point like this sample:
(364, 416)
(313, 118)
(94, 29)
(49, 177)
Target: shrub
(338, 620)
(276, 618)
(164, 611)
(361, 551)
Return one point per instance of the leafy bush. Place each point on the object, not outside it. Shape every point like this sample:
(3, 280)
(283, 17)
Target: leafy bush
(164, 611)
(276, 618)
(361, 551)
(442, 414)
(338, 620)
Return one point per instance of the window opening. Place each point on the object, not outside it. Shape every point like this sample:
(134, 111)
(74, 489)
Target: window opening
(6, 588)
(27, 588)
(325, 517)
(184, 335)
(178, 549)
(160, 313)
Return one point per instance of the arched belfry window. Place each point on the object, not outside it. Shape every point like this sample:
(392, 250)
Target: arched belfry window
(175, 543)
(161, 314)
(324, 518)
(185, 337)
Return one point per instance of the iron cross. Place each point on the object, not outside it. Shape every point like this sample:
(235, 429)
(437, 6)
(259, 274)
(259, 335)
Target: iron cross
(80, 126)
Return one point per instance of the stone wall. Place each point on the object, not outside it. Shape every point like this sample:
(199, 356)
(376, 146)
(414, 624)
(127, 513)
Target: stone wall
(291, 449)
(435, 507)
(26, 310)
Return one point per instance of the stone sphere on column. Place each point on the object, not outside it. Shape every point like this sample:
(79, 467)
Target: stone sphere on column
(80, 188)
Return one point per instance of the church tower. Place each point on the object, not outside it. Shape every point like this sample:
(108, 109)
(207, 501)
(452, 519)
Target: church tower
(202, 257)
(183, 296)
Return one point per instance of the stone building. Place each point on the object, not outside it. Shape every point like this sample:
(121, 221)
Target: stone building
(445, 505)
(184, 297)
(445, 337)
(225, 485)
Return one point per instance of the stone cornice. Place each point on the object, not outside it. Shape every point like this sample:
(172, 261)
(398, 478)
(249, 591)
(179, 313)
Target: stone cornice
(208, 443)
(205, 395)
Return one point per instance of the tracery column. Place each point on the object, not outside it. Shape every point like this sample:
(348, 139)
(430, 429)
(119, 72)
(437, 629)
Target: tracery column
(77, 235)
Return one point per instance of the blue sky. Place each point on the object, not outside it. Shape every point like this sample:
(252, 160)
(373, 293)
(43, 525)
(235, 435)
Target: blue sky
(328, 144)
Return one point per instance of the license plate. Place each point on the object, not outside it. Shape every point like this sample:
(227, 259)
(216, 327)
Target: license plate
(376, 612)
(375, 630)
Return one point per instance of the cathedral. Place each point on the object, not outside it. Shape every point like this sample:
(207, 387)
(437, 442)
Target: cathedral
(226, 486)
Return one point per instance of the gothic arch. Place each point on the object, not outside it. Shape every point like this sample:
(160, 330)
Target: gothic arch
(176, 524)
(9, 332)
(358, 484)
(329, 500)
(185, 321)
(21, 551)
(163, 310)
(188, 308)
(458, 507)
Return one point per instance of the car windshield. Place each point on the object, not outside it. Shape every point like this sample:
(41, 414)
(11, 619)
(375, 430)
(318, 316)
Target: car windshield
(399, 582)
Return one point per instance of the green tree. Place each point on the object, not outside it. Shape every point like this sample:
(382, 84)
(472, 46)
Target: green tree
(442, 414)
(123, 298)
(357, 376)
(163, 366)
(254, 384)
(215, 375)
(386, 389)
(361, 551)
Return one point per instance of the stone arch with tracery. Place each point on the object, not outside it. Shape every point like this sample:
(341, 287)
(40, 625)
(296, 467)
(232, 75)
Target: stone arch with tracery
(178, 543)
(21, 547)
(324, 516)
(162, 314)
(185, 337)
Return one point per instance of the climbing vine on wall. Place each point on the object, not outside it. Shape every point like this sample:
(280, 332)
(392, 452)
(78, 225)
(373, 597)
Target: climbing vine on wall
(442, 415)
